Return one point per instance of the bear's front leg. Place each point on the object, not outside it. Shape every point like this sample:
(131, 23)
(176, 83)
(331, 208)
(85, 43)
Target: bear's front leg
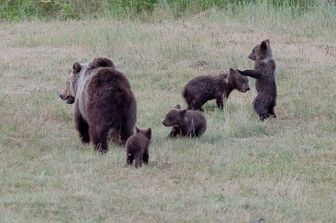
(174, 132)
(220, 102)
(81, 126)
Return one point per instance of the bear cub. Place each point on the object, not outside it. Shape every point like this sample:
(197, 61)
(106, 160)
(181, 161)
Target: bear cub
(187, 123)
(104, 102)
(204, 88)
(265, 74)
(137, 147)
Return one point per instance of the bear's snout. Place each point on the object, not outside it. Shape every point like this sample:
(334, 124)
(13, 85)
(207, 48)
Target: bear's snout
(68, 98)
(61, 96)
(164, 123)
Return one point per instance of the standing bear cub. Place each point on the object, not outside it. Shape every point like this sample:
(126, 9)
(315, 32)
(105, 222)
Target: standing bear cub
(204, 88)
(187, 123)
(103, 100)
(265, 74)
(137, 147)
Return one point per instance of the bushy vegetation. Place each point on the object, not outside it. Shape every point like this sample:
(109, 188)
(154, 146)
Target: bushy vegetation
(26, 9)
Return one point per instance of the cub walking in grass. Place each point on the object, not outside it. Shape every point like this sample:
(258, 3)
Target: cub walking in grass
(187, 123)
(137, 147)
(265, 74)
(204, 88)
(103, 101)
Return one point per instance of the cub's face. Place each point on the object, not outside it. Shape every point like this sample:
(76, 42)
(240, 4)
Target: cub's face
(174, 116)
(261, 51)
(240, 81)
(69, 94)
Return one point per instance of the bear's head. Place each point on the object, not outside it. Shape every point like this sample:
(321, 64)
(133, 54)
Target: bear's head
(146, 132)
(239, 81)
(174, 117)
(69, 94)
(261, 51)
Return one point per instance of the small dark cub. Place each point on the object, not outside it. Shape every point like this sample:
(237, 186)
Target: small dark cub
(187, 123)
(204, 88)
(265, 74)
(137, 147)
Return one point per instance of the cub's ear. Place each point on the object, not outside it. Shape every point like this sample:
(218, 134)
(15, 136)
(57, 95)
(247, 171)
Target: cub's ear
(183, 113)
(232, 75)
(137, 129)
(77, 67)
(233, 71)
(268, 41)
(177, 106)
(263, 45)
(149, 133)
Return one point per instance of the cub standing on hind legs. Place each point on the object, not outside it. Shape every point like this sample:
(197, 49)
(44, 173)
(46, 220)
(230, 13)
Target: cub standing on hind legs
(265, 74)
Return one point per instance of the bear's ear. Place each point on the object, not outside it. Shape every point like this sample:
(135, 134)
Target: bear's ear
(183, 113)
(268, 41)
(232, 75)
(101, 62)
(77, 67)
(149, 133)
(177, 106)
(263, 45)
(137, 129)
(232, 71)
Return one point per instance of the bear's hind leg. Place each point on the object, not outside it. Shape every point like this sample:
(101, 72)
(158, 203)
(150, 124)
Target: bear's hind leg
(196, 104)
(271, 110)
(138, 161)
(145, 157)
(99, 138)
(260, 108)
(189, 101)
(127, 129)
(129, 159)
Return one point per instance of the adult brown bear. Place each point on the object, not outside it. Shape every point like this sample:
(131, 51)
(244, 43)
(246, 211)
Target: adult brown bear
(104, 102)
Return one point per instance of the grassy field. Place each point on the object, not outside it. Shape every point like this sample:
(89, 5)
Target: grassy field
(242, 169)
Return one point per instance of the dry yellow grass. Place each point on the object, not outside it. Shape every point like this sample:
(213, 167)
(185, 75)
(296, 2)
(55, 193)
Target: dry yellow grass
(282, 170)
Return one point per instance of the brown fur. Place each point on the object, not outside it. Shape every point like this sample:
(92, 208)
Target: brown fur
(137, 147)
(265, 74)
(187, 123)
(103, 100)
(204, 88)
